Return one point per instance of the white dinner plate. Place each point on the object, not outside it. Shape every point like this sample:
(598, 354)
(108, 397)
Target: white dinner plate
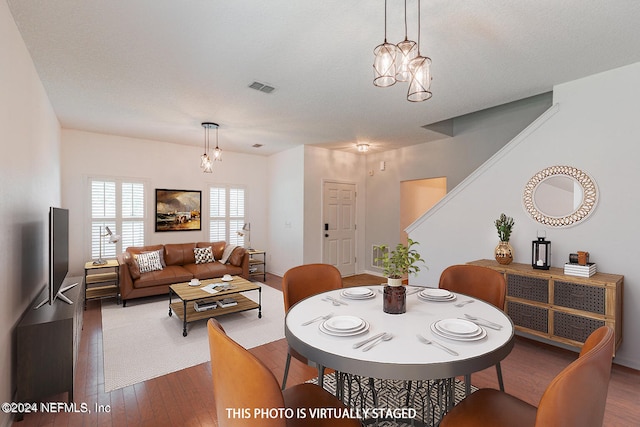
(457, 327)
(451, 297)
(441, 334)
(436, 292)
(343, 323)
(357, 293)
(361, 330)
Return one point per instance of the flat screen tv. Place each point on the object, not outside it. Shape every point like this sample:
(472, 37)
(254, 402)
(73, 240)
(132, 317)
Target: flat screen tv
(58, 255)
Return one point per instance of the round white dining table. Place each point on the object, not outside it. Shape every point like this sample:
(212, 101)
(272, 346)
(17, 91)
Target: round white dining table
(404, 357)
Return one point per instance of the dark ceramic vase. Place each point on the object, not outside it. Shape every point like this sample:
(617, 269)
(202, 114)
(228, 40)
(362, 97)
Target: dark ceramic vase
(394, 300)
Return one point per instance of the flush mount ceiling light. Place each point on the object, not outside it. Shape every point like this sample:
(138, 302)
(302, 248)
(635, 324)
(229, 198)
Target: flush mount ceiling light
(206, 163)
(403, 62)
(362, 147)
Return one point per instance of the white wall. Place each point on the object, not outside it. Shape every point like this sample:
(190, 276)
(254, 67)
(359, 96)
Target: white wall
(160, 165)
(594, 128)
(285, 210)
(321, 165)
(30, 183)
(477, 136)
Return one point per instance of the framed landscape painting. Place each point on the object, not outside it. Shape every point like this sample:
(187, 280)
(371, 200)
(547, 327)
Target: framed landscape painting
(178, 210)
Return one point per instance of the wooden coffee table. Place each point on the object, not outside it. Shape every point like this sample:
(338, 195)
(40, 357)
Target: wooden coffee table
(188, 294)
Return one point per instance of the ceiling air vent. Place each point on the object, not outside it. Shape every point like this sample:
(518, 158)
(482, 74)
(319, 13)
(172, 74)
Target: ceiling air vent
(262, 87)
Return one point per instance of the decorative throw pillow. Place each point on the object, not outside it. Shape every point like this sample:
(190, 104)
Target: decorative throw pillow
(203, 255)
(149, 261)
(237, 256)
(160, 255)
(227, 253)
(132, 264)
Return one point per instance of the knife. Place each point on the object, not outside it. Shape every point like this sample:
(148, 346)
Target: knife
(486, 325)
(363, 342)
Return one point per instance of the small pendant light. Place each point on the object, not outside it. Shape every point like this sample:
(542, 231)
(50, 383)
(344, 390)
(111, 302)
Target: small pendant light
(407, 50)
(384, 64)
(420, 68)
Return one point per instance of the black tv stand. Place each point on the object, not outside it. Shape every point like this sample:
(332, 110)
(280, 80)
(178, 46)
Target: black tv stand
(47, 342)
(59, 296)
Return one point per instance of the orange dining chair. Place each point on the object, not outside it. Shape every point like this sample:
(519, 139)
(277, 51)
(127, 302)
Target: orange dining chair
(242, 383)
(575, 398)
(479, 282)
(302, 282)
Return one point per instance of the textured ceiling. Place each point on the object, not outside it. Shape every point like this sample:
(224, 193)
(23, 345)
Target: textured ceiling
(156, 69)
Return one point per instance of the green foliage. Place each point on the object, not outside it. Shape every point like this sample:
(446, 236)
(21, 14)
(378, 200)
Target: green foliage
(504, 224)
(401, 261)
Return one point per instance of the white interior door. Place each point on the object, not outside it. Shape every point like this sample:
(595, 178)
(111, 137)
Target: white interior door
(339, 227)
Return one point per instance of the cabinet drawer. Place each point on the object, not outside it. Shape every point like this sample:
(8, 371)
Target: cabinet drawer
(577, 328)
(529, 316)
(580, 297)
(529, 288)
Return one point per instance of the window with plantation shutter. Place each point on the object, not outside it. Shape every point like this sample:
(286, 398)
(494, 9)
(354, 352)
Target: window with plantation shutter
(226, 214)
(118, 205)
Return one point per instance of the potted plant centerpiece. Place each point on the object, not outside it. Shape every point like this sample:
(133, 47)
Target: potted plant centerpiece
(400, 262)
(504, 251)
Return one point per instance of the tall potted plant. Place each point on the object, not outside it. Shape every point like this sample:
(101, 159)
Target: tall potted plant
(504, 252)
(397, 264)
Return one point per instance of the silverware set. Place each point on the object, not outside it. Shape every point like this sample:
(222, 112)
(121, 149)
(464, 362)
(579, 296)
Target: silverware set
(463, 303)
(374, 340)
(333, 300)
(483, 322)
(325, 317)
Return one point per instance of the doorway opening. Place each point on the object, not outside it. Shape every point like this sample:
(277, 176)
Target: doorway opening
(416, 198)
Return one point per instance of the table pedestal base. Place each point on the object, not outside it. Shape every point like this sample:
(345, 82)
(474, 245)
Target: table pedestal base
(396, 403)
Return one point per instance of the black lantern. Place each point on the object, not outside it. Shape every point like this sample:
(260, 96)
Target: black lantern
(541, 254)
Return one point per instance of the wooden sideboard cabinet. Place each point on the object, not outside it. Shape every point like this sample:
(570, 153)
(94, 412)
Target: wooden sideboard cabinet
(559, 307)
(48, 339)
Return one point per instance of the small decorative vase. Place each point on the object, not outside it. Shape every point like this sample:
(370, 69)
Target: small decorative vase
(504, 253)
(394, 300)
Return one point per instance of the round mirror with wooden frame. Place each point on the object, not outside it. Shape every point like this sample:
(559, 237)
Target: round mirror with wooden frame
(560, 196)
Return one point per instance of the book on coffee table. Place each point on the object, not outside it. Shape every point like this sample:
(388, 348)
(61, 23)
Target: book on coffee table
(204, 305)
(227, 302)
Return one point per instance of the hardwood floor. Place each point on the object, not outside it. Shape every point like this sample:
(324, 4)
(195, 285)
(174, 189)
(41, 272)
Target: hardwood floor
(185, 398)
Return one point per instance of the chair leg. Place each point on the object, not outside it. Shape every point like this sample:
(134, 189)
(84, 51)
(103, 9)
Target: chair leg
(499, 372)
(467, 384)
(286, 370)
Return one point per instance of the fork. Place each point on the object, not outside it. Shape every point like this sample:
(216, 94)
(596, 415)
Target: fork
(437, 344)
(463, 303)
(325, 317)
(336, 303)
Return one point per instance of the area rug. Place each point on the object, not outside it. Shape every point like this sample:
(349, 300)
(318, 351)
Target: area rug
(141, 341)
(423, 397)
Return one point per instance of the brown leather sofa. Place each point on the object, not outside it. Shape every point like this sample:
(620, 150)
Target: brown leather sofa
(179, 266)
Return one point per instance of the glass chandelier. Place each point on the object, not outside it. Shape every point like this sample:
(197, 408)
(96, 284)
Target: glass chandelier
(205, 161)
(403, 62)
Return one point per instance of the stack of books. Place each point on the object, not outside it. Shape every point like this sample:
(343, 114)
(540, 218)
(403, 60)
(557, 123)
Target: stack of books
(204, 305)
(227, 302)
(574, 269)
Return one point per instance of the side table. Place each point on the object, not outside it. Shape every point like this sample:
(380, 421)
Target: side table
(257, 266)
(101, 281)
